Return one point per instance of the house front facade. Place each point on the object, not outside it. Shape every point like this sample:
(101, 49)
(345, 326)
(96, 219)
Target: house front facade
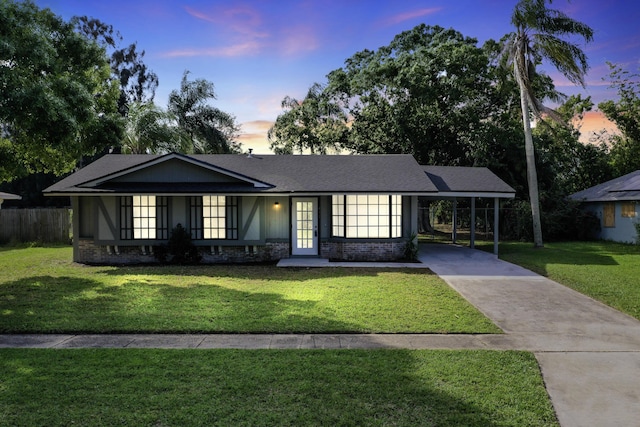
(245, 208)
(616, 203)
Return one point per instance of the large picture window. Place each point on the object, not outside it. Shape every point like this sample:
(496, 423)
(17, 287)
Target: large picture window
(144, 217)
(214, 217)
(367, 216)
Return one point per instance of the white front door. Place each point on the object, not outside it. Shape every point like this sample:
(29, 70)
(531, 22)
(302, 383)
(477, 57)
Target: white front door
(304, 226)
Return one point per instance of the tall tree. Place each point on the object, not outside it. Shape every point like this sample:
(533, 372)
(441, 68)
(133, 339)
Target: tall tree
(538, 36)
(316, 124)
(209, 129)
(56, 100)
(625, 113)
(137, 82)
(426, 93)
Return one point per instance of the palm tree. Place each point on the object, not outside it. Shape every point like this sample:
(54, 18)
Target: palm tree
(148, 130)
(538, 36)
(209, 129)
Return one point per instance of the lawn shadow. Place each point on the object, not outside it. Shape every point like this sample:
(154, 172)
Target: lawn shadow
(264, 387)
(258, 272)
(45, 304)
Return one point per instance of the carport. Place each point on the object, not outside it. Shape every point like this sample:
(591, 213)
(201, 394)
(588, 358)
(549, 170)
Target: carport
(455, 182)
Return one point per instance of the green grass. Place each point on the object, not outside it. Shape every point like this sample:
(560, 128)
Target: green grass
(42, 291)
(606, 271)
(92, 387)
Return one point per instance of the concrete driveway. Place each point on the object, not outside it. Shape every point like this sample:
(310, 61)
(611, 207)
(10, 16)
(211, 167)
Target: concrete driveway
(589, 353)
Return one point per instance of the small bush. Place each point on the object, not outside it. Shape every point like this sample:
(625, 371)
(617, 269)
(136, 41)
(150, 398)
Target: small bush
(179, 250)
(411, 248)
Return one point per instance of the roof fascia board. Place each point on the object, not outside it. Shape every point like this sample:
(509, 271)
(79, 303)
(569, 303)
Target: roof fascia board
(469, 194)
(293, 193)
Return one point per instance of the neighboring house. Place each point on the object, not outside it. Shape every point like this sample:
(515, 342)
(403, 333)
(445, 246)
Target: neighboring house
(244, 208)
(8, 196)
(616, 203)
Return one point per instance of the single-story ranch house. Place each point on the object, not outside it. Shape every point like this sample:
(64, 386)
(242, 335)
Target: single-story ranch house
(615, 202)
(247, 208)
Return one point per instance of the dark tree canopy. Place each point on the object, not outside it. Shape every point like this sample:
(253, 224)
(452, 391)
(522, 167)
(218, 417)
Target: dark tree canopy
(56, 100)
(316, 124)
(427, 93)
(625, 113)
(137, 82)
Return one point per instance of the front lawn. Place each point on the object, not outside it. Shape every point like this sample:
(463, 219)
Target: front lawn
(104, 387)
(42, 291)
(606, 271)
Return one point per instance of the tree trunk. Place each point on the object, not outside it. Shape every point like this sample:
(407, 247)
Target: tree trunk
(532, 174)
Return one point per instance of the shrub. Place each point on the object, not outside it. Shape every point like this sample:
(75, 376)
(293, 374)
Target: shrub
(411, 248)
(179, 250)
(564, 220)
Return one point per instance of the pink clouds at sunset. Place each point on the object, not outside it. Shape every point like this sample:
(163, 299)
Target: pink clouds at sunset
(407, 16)
(245, 28)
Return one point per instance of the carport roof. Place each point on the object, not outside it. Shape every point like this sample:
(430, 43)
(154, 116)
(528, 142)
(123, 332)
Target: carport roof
(458, 181)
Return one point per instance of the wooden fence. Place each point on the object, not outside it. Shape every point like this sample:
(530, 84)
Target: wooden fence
(35, 225)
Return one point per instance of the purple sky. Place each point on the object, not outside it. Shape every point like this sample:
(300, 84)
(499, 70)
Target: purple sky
(258, 51)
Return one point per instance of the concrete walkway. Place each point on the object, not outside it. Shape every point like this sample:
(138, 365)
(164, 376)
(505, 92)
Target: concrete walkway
(589, 354)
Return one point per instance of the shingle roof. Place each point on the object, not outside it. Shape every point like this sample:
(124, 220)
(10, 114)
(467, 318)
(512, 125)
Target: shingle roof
(286, 173)
(456, 179)
(9, 196)
(393, 173)
(626, 187)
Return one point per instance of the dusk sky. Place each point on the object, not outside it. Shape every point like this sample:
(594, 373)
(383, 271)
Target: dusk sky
(256, 52)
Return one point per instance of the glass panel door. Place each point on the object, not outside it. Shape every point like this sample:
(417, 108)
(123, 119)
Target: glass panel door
(304, 220)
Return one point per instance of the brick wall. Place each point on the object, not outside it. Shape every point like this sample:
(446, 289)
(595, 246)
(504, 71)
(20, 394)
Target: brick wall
(271, 251)
(363, 251)
(89, 253)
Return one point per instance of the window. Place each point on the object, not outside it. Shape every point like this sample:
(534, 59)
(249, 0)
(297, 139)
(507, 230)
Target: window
(144, 217)
(214, 217)
(337, 213)
(367, 216)
(609, 215)
(628, 209)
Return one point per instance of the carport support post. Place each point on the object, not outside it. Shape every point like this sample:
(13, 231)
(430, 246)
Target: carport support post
(496, 223)
(473, 222)
(454, 233)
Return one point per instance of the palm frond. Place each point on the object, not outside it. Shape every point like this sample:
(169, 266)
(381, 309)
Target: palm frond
(568, 58)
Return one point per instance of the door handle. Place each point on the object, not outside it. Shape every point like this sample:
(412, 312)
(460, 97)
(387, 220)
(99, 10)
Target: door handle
(315, 232)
